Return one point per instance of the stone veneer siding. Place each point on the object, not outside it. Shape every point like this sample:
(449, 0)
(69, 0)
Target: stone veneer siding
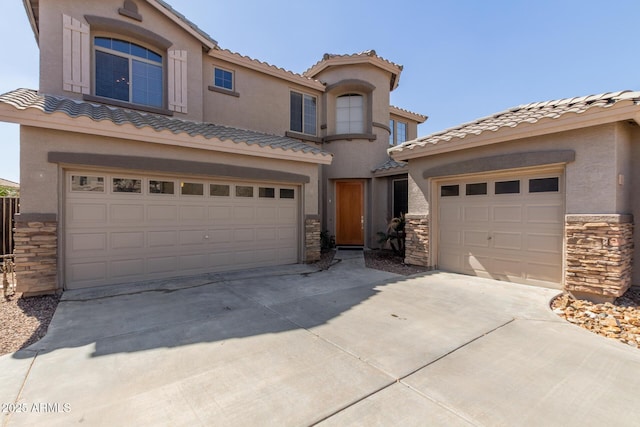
(599, 255)
(312, 238)
(417, 239)
(36, 253)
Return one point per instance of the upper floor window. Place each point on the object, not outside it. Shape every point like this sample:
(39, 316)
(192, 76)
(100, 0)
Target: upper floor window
(398, 132)
(303, 113)
(128, 72)
(223, 78)
(349, 114)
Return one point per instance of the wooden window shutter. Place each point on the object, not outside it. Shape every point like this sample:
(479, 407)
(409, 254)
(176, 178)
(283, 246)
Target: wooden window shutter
(177, 80)
(76, 54)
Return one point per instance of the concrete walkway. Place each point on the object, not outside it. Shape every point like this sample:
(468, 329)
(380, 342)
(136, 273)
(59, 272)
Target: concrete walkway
(293, 347)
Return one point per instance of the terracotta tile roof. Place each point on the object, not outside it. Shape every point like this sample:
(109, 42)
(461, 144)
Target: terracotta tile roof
(369, 53)
(184, 19)
(523, 114)
(7, 183)
(368, 56)
(388, 165)
(23, 99)
(235, 56)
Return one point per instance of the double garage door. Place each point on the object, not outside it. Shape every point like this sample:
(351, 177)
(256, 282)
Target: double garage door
(126, 227)
(507, 227)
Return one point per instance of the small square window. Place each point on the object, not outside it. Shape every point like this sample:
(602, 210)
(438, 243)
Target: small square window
(507, 187)
(161, 187)
(244, 191)
(219, 190)
(449, 190)
(267, 192)
(127, 185)
(87, 183)
(544, 185)
(287, 193)
(191, 189)
(477, 189)
(223, 78)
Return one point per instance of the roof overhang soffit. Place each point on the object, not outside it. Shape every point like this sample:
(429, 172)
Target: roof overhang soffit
(590, 118)
(393, 69)
(62, 122)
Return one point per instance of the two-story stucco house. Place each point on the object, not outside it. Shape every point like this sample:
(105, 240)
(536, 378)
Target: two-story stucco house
(148, 151)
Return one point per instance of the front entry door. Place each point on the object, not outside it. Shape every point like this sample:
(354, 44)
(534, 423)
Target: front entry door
(350, 213)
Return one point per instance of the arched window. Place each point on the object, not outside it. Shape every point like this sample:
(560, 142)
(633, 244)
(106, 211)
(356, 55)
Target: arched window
(128, 72)
(350, 114)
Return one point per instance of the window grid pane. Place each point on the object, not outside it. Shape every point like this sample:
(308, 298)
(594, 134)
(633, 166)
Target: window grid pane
(161, 187)
(127, 185)
(507, 187)
(543, 185)
(191, 189)
(449, 190)
(401, 132)
(220, 190)
(296, 112)
(223, 79)
(244, 191)
(476, 189)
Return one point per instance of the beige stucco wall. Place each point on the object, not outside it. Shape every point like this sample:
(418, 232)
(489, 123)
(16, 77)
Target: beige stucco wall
(50, 43)
(40, 180)
(262, 104)
(591, 180)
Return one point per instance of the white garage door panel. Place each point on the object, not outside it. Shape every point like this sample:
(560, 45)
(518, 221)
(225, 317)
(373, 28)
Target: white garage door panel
(512, 236)
(114, 237)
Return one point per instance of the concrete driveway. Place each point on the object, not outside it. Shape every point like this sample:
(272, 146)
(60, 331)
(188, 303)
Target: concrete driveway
(292, 346)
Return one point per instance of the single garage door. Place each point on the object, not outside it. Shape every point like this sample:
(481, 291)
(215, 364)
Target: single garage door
(125, 227)
(507, 227)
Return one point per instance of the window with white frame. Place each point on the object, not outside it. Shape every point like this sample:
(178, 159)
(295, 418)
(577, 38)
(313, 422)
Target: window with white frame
(128, 72)
(350, 114)
(222, 78)
(303, 113)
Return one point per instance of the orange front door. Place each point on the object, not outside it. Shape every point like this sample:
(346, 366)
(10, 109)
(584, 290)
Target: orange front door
(350, 213)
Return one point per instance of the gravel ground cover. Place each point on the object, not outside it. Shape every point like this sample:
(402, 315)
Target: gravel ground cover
(24, 321)
(619, 320)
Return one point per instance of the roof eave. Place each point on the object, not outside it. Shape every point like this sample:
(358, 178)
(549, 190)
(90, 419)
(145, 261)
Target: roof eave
(410, 149)
(35, 117)
(263, 67)
(28, 7)
(420, 118)
(374, 60)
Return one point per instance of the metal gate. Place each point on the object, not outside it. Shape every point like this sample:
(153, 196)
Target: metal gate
(8, 209)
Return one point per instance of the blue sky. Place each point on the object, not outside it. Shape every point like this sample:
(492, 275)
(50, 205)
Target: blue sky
(462, 59)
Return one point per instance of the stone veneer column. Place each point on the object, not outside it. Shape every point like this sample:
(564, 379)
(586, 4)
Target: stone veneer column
(36, 253)
(417, 239)
(312, 238)
(599, 256)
